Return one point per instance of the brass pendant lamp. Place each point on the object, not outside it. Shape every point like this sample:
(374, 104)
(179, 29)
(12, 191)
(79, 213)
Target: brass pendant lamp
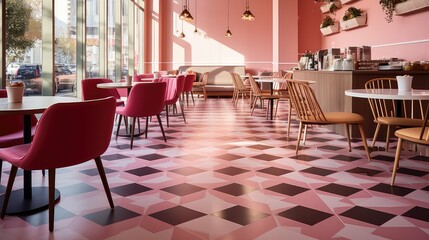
(228, 32)
(248, 15)
(186, 15)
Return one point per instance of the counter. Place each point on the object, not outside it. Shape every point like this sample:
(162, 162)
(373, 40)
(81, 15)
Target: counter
(330, 87)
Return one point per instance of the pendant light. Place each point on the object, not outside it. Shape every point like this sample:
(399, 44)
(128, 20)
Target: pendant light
(186, 15)
(247, 15)
(196, 29)
(228, 32)
(182, 34)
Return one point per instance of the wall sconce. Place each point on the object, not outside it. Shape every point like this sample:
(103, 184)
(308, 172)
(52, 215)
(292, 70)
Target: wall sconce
(186, 15)
(228, 32)
(247, 15)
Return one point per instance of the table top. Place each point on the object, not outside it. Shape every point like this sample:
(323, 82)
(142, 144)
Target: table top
(414, 94)
(271, 80)
(32, 105)
(117, 85)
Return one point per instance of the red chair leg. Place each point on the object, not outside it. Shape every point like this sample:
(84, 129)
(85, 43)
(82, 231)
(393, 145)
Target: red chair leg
(102, 174)
(162, 129)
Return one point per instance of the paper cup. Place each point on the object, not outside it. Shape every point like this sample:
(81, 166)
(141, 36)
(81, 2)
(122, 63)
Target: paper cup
(128, 79)
(404, 83)
(14, 94)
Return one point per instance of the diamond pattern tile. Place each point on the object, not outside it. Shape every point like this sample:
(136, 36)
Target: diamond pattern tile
(183, 189)
(241, 215)
(287, 189)
(338, 189)
(177, 215)
(228, 175)
(305, 215)
(367, 215)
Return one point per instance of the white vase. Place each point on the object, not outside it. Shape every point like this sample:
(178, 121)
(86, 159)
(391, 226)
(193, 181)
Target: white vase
(404, 83)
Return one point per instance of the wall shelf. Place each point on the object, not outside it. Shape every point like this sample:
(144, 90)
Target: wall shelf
(410, 6)
(359, 21)
(330, 29)
(325, 7)
(347, 1)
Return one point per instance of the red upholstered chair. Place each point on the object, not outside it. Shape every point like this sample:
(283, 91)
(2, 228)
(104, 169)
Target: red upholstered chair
(55, 146)
(90, 91)
(145, 100)
(172, 95)
(11, 129)
(187, 88)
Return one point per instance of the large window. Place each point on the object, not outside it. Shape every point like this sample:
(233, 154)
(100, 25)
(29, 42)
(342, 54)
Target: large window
(116, 47)
(23, 50)
(65, 48)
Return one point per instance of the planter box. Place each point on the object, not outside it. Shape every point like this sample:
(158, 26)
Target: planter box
(354, 22)
(325, 7)
(410, 6)
(330, 29)
(347, 1)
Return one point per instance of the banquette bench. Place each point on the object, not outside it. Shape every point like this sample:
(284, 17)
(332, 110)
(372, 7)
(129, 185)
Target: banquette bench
(219, 82)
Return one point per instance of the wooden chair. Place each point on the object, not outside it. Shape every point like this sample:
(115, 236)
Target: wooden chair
(386, 112)
(418, 135)
(309, 112)
(258, 94)
(239, 88)
(202, 84)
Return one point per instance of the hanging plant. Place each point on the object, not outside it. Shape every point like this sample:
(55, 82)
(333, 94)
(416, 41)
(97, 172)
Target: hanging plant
(388, 7)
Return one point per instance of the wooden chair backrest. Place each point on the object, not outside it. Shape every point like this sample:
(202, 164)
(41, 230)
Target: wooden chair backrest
(255, 87)
(304, 101)
(389, 108)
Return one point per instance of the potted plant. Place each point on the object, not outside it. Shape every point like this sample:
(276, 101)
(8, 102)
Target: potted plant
(388, 7)
(329, 6)
(353, 17)
(329, 26)
(410, 6)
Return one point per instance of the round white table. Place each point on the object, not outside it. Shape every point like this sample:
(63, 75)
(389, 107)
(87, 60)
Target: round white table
(393, 94)
(29, 198)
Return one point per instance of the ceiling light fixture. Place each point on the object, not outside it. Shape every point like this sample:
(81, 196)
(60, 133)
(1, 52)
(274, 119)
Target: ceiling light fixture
(182, 34)
(247, 15)
(196, 29)
(186, 15)
(228, 32)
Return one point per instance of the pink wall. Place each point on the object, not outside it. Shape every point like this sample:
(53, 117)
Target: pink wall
(378, 33)
(252, 43)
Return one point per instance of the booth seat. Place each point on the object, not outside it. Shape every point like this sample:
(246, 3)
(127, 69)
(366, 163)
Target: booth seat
(220, 81)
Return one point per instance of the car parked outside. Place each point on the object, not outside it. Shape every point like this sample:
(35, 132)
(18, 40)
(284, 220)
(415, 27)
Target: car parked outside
(64, 78)
(12, 70)
(30, 74)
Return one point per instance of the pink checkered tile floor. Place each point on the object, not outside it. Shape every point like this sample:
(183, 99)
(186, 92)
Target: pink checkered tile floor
(228, 175)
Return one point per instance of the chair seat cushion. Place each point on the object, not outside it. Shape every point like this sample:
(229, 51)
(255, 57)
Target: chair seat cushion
(398, 121)
(412, 134)
(14, 154)
(13, 139)
(338, 117)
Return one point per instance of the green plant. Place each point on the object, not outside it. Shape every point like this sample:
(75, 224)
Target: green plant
(327, 21)
(352, 12)
(388, 7)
